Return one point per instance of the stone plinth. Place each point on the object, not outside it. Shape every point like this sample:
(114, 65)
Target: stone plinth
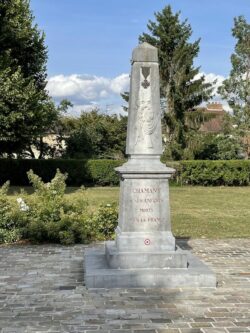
(99, 275)
(141, 259)
(144, 214)
(144, 253)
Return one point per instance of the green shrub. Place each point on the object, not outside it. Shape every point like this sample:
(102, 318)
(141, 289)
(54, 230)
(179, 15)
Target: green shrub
(105, 221)
(102, 171)
(176, 177)
(215, 173)
(15, 170)
(47, 216)
(9, 226)
(80, 172)
(9, 236)
(50, 217)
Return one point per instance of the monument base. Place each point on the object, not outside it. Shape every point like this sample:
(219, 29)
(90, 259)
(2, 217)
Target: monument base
(99, 274)
(147, 241)
(136, 259)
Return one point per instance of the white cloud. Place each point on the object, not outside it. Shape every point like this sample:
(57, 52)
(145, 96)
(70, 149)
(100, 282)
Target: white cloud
(89, 91)
(120, 83)
(210, 78)
(84, 91)
(77, 109)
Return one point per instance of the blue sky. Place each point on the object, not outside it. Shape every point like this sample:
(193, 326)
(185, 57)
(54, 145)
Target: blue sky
(90, 42)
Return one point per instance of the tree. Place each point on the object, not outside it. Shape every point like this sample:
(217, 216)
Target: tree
(22, 43)
(218, 147)
(181, 87)
(26, 110)
(96, 135)
(54, 147)
(236, 88)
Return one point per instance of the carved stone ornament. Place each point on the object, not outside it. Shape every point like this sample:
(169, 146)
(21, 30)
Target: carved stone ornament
(145, 72)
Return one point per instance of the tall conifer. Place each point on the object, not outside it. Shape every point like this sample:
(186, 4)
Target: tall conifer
(181, 88)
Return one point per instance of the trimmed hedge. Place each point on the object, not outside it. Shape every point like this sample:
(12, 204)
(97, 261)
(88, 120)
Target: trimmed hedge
(101, 172)
(215, 173)
(80, 172)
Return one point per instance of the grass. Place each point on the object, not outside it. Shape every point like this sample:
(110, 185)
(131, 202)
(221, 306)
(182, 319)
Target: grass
(210, 212)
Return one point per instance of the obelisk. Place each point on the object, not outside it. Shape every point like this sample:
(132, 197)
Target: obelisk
(144, 253)
(144, 216)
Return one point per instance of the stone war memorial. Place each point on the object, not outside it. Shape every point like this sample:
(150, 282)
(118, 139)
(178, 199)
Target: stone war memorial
(144, 253)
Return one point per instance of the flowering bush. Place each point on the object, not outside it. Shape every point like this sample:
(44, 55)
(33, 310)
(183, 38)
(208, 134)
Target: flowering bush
(9, 231)
(47, 216)
(51, 218)
(22, 205)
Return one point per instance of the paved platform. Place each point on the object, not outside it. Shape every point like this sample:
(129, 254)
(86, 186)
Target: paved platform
(42, 290)
(98, 273)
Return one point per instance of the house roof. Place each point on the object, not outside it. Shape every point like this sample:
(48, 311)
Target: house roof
(214, 125)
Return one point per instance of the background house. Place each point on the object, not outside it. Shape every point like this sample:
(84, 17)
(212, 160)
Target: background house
(215, 124)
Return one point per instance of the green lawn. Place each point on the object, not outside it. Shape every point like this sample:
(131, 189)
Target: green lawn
(211, 212)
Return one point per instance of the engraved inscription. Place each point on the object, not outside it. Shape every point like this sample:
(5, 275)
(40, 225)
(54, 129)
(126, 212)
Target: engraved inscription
(146, 190)
(156, 220)
(147, 202)
(146, 210)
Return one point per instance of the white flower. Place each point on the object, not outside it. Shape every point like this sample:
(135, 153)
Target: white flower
(19, 200)
(108, 205)
(24, 208)
(22, 205)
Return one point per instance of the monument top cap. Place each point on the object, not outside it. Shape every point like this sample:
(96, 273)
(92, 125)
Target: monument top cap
(145, 53)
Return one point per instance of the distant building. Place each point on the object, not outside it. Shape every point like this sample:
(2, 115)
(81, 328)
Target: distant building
(51, 144)
(214, 125)
(246, 141)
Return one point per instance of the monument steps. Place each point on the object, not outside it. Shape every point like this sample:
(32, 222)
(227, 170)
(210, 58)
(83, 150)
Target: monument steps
(100, 275)
(162, 259)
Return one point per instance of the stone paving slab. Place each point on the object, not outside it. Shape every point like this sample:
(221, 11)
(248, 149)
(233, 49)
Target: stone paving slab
(42, 290)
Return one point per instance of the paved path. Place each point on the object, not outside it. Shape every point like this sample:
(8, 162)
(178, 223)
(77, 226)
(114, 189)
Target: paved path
(42, 290)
